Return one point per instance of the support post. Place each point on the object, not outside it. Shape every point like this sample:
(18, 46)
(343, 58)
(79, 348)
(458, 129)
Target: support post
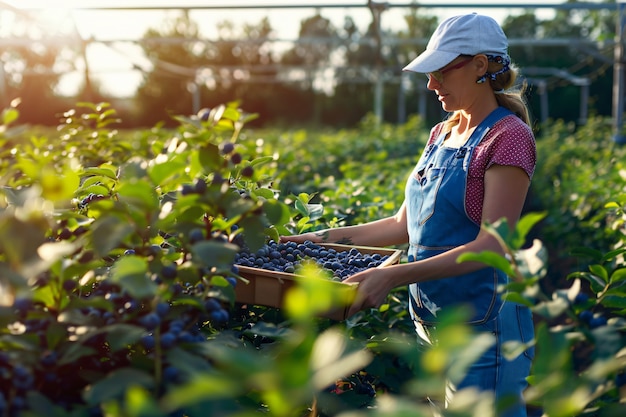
(618, 75)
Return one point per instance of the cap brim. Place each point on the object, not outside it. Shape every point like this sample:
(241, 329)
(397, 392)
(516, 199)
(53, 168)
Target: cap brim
(430, 60)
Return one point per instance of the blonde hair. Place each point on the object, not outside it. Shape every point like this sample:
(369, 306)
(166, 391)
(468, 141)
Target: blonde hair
(507, 94)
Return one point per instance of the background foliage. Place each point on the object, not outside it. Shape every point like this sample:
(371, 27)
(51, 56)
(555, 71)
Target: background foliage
(118, 288)
(326, 77)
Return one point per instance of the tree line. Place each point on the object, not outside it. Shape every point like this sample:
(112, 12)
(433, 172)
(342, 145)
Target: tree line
(330, 76)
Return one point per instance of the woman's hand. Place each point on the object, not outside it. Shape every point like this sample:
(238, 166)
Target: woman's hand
(374, 285)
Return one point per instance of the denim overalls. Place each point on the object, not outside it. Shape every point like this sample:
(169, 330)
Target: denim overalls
(437, 221)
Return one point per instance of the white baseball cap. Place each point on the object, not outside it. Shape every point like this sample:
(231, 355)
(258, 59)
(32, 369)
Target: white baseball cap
(468, 34)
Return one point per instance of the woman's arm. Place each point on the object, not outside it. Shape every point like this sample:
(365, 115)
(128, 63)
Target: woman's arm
(505, 192)
(384, 232)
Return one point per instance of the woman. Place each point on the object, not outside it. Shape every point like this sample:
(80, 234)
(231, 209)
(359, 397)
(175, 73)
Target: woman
(476, 168)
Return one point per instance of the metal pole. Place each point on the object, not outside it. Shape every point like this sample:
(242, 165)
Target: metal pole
(402, 99)
(584, 103)
(618, 75)
(377, 8)
(4, 91)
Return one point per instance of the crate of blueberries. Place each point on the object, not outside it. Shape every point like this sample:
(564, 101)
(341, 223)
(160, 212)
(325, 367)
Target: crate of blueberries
(271, 270)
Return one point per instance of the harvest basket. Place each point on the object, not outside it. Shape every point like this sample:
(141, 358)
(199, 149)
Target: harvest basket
(268, 288)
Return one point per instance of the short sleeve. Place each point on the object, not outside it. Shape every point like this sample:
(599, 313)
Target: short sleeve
(511, 143)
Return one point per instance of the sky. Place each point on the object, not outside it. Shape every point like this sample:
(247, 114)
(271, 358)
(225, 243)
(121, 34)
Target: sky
(112, 66)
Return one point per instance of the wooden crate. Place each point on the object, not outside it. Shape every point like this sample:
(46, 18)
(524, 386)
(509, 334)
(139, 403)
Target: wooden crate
(268, 288)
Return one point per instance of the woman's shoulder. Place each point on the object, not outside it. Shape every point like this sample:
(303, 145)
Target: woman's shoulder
(509, 142)
(514, 126)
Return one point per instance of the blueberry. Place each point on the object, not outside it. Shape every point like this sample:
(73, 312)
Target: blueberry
(150, 321)
(22, 305)
(147, 341)
(169, 271)
(196, 235)
(176, 326)
(212, 305)
(247, 171)
(204, 114)
(217, 178)
(219, 316)
(232, 281)
(155, 250)
(162, 309)
(129, 252)
(227, 147)
(49, 359)
(65, 234)
(597, 321)
(171, 373)
(581, 298)
(132, 306)
(69, 285)
(200, 186)
(168, 340)
(188, 189)
(236, 158)
(586, 316)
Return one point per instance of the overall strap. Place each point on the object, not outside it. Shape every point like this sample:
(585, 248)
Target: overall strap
(484, 126)
(480, 132)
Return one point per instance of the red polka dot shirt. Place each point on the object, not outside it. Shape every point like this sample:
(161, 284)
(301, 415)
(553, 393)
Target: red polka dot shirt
(510, 142)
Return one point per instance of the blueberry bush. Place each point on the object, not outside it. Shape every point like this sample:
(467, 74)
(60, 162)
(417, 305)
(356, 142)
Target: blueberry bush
(119, 266)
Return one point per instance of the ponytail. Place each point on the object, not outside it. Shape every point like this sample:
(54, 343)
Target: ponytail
(507, 94)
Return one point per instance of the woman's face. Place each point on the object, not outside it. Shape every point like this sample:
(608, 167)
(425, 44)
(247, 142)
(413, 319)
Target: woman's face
(452, 83)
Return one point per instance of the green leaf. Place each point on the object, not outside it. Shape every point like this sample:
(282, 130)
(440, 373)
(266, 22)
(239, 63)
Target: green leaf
(74, 352)
(264, 192)
(580, 252)
(9, 116)
(104, 172)
(120, 336)
(212, 253)
(609, 256)
(140, 194)
(301, 207)
(40, 405)
(596, 284)
(517, 298)
(20, 239)
(57, 186)
(600, 271)
(210, 157)
(614, 301)
(253, 232)
(261, 161)
(618, 275)
(231, 113)
(160, 173)
(114, 385)
(131, 272)
(94, 189)
(489, 258)
(316, 211)
(276, 212)
(187, 362)
(524, 225)
(302, 223)
(203, 388)
(108, 232)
